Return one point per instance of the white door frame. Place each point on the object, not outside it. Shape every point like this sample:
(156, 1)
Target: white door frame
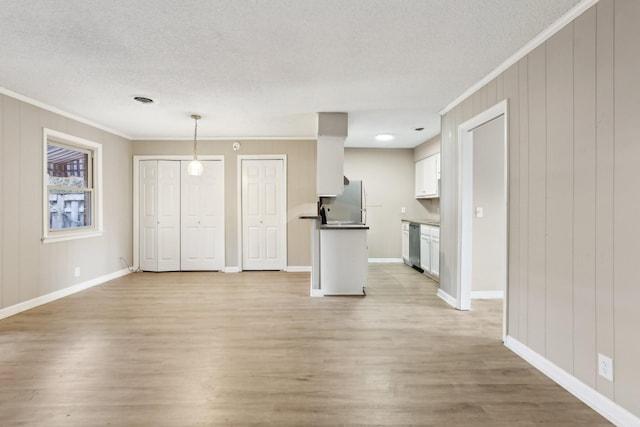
(136, 195)
(283, 202)
(465, 211)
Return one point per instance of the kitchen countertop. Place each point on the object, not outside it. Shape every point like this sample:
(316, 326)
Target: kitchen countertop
(336, 225)
(344, 227)
(310, 216)
(432, 222)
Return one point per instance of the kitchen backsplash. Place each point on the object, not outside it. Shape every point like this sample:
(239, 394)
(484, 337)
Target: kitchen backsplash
(430, 209)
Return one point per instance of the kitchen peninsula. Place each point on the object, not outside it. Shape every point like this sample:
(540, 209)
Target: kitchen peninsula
(339, 259)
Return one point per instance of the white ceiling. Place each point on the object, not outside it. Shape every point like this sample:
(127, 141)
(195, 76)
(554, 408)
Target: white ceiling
(261, 68)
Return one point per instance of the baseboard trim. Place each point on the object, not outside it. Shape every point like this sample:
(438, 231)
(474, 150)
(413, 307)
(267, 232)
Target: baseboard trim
(385, 260)
(596, 401)
(487, 294)
(50, 297)
(317, 293)
(298, 269)
(447, 298)
(231, 270)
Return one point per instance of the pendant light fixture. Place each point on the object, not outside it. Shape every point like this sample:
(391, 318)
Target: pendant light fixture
(195, 167)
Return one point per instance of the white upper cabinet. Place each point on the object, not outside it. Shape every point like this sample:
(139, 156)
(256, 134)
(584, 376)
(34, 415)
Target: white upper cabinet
(332, 132)
(427, 177)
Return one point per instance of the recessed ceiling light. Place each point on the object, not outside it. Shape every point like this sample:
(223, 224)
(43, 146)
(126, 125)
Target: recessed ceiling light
(384, 137)
(143, 99)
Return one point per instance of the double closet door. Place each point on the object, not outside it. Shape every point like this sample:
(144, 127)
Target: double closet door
(181, 216)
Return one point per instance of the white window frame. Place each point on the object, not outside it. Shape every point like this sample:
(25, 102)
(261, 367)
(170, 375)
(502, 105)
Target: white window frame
(50, 236)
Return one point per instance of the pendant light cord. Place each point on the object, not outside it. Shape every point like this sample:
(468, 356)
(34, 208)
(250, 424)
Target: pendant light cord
(195, 139)
(195, 117)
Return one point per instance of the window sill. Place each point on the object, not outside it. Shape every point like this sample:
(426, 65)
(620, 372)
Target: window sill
(71, 236)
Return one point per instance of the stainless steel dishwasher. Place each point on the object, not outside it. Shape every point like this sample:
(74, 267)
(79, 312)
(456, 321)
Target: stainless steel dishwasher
(414, 245)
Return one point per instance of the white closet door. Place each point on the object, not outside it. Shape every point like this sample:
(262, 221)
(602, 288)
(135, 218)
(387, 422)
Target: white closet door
(202, 237)
(148, 215)
(263, 215)
(159, 215)
(168, 215)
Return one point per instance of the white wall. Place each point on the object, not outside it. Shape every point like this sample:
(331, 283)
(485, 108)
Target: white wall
(489, 251)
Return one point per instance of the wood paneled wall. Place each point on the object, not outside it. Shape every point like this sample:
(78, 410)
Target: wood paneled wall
(574, 209)
(28, 268)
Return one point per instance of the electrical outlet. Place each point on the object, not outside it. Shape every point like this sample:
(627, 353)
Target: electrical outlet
(76, 271)
(605, 366)
(403, 210)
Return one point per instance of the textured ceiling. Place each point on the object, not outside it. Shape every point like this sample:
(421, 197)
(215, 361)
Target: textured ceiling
(261, 68)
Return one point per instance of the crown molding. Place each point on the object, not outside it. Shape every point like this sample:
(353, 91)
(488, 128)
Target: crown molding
(545, 35)
(19, 97)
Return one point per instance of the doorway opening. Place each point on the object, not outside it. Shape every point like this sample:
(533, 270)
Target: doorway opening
(483, 222)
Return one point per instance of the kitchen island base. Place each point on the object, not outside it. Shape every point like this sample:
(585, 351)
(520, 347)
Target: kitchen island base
(343, 261)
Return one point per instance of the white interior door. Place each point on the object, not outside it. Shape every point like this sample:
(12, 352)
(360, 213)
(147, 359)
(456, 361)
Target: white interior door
(202, 209)
(159, 215)
(148, 215)
(168, 215)
(263, 215)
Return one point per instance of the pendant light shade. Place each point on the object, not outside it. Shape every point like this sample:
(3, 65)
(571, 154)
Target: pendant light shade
(195, 167)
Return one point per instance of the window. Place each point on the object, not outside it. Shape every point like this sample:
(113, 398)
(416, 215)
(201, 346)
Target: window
(72, 195)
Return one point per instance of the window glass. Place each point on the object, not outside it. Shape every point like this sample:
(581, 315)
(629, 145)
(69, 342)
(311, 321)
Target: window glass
(69, 178)
(71, 202)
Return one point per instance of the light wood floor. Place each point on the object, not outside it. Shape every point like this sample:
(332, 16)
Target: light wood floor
(200, 349)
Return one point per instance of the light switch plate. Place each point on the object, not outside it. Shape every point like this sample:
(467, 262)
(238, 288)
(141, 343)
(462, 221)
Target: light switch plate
(479, 212)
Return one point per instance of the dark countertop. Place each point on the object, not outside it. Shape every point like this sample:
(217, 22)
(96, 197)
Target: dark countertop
(432, 222)
(310, 216)
(336, 225)
(344, 227)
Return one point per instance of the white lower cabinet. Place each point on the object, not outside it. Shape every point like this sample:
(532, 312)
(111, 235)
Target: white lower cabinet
(435, 252)
(405, 242)
(425, 248)
(430, 250)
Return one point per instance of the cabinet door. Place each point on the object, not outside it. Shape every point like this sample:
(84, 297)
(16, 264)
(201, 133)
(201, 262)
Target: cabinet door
(420, 182)
(427, 176)
(405, 242)
(435, 257)
(425, 252)
(431, 176)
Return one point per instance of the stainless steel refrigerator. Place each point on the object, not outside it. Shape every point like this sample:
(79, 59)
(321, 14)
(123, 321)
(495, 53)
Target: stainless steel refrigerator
(349, 207)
